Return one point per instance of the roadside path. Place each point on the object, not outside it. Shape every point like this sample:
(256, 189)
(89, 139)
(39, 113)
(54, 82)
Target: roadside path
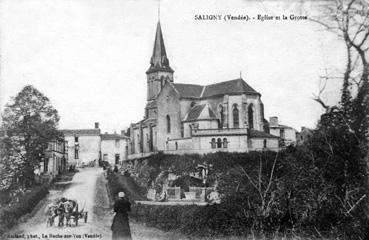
(81, 188)
(88, 187)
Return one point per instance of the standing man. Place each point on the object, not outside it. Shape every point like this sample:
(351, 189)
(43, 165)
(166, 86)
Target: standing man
(120, 226)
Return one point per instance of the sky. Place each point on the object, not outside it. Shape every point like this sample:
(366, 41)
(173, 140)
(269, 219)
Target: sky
(90, 56)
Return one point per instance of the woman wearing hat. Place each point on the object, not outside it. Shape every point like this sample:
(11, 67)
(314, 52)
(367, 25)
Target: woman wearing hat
(120, 226)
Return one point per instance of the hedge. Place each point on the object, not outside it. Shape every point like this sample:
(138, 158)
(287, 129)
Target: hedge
(10, 215)
(209, 221)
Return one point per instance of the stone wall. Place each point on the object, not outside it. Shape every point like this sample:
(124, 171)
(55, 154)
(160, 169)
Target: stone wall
(168, 105)
(257, 144)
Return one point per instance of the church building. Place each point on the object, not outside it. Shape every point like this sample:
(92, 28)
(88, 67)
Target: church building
(189, 118)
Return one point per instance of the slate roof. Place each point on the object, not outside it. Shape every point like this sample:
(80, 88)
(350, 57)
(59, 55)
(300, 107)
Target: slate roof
(259, 134)
(195, 112)
(228, 87)
(151, 104)
(285, 126)
(188, 90)
(281, 126)
(236, 86)
(81, 131)
(107, 136)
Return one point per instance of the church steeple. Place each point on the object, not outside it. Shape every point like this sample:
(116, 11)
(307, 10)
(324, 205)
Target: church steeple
(160, 70)
(159, 60)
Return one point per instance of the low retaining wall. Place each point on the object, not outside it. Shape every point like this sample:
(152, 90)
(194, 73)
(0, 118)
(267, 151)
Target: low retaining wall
(172, 203)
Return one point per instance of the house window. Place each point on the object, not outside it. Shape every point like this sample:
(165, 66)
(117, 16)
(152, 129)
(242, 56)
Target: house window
(213, 143)
(117, 143)
(236, 117)
(76, 153)
(282, 133)
(225, 143)
(265, 143)
(219, 143)
(176, 146)
(168, 124)
(221, 113)
(182, 130)
(250, 113)
(46, 164)
(117, 158)
(76, 139)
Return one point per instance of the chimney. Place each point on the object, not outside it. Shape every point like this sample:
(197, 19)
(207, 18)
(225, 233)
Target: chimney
(122, 132)
(96, 125)
(273, 122)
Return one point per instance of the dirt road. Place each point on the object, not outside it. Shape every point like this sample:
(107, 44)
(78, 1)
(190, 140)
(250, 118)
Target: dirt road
(88, 187)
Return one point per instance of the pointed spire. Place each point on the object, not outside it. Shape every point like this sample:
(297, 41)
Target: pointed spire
(159, 60)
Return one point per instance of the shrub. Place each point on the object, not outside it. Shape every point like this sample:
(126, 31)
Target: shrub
(296, 189)
(9, 215)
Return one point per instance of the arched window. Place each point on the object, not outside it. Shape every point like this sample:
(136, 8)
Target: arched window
(236, 117)
(221, 113)
(219, 143)
(182, 130)
(265, 143)
(250, 114)
(225, 143)
(151, 142)
(162, 82)
(168, 124)
(213, 143)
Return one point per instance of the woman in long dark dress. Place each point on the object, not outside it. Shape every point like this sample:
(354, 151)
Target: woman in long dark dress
(120, 226)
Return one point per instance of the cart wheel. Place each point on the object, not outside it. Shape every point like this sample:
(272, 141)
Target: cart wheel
(85, 217)
(76, 219)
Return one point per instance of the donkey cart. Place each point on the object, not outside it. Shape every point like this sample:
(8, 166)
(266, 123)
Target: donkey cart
(65, 209)
(76, 215)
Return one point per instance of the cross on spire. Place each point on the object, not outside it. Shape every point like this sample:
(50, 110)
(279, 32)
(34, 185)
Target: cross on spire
(159, 11)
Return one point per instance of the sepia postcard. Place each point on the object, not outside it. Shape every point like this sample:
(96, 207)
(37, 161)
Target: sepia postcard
(129, 119)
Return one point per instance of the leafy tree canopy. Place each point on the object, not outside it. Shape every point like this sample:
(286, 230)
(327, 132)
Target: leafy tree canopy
(31, 123)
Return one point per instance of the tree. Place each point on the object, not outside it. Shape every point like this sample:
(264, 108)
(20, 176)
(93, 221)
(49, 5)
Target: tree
(31, 123)
(340, 143)
(349, 20)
